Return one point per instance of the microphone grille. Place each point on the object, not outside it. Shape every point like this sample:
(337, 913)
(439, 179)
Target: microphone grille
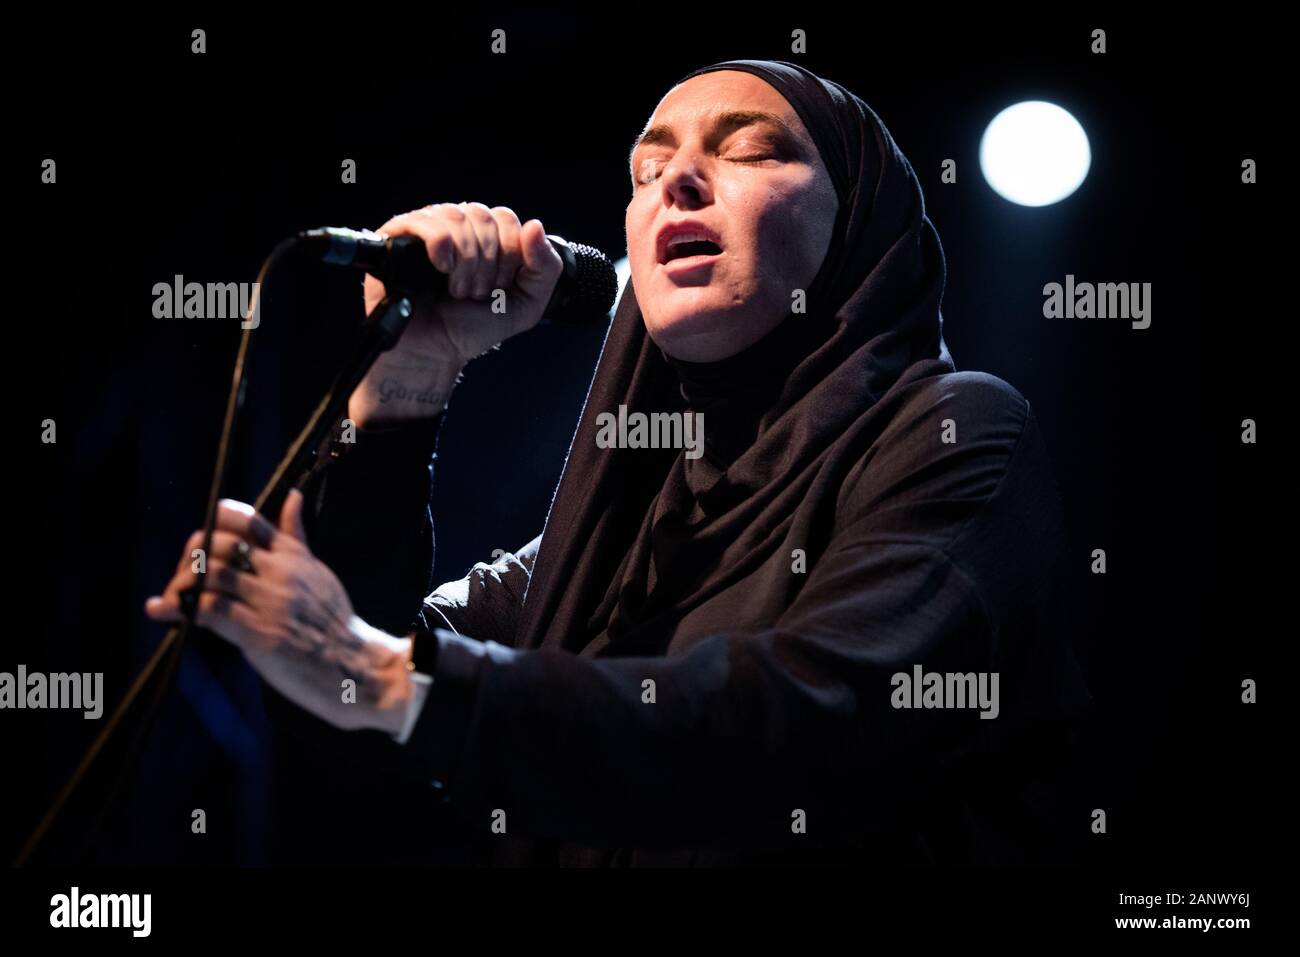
(593, 286)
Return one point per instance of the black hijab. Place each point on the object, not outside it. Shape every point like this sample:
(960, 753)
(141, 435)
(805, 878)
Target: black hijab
(636, 539)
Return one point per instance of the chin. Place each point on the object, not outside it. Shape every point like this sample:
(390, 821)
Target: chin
(696, 336)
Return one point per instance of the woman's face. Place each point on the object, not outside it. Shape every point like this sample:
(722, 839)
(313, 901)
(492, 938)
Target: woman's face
(725, 151)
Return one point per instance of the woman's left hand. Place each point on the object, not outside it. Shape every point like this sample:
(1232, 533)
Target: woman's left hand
(291, 617)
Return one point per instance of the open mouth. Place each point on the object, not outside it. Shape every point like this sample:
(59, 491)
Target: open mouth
(695, 247)
(687, 239)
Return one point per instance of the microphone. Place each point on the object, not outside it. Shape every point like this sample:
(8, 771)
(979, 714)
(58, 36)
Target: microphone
(584, 292)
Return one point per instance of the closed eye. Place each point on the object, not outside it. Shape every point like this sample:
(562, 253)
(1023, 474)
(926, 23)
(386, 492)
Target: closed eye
(748, 160)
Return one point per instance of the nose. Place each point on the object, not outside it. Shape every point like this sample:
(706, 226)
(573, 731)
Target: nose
(685, 180)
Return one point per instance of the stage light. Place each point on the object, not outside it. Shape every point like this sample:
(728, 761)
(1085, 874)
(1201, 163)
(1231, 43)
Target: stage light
(1034, 153)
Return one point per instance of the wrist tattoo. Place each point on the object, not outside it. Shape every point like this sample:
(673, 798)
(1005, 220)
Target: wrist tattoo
(394, 390)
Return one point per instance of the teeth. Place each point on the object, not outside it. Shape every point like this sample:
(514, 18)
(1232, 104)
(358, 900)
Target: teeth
(688, 238)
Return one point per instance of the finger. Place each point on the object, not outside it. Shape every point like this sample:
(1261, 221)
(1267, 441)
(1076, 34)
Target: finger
(221, 578)
(484, 225)
(246, 587)
(159, 608)
(223, 546)
(542, 264)
(439, 240)
(247, 523)
(412, 223)
(223, 551)
(432, 227)
(190, 553)
(466, 243)
(374, 291)
(291, 522)
(511, 255)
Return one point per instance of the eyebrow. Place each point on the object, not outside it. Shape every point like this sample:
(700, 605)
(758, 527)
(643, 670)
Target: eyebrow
(728, 120)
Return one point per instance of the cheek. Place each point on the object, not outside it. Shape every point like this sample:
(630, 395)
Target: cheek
(792, 230)
(636, 228)
(774, 230)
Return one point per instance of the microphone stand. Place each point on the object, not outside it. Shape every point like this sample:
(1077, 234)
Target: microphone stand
(379, 333)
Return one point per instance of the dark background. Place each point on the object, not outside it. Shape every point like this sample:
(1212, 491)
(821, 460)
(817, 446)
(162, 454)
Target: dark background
(174, 163)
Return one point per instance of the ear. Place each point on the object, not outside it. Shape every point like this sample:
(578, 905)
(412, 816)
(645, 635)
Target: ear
(291, 523)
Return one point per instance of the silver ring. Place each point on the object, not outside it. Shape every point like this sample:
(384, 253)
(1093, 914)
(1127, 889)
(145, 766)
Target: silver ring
(241, 557)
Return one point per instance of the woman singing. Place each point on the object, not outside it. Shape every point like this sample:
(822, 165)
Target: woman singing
(832, 634)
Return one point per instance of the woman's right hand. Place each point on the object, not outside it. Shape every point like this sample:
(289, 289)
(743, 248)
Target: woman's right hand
(481, 250)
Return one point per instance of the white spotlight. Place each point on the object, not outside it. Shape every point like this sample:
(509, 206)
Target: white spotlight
(1034, 153)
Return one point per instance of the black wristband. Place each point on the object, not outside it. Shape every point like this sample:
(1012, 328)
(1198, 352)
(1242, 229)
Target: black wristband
(424, 653)
(417, 437)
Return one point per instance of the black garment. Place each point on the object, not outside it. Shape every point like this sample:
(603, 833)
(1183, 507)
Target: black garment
(732, 395)
(956, 568)
(696, 655)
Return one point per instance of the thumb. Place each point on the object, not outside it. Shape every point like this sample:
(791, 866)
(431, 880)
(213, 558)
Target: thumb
(542, 264)
(291, 522)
